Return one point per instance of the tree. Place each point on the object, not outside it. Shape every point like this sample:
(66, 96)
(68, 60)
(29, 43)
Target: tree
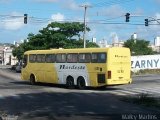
(55, 35)
(138, 47)
(18, 52)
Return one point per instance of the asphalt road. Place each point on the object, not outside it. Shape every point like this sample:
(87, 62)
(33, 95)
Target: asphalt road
(144, 84)
(19, 100)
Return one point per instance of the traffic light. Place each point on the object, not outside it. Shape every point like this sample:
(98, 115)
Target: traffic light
(25, 18)
(146, 22)
(127, 17)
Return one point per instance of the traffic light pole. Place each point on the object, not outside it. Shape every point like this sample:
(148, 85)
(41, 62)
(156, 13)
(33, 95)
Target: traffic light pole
(25, 18)
(127, 17)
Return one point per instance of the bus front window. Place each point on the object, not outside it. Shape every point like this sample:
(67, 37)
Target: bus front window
(25, 59)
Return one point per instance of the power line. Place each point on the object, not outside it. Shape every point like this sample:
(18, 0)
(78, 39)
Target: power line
(12, 18)
(102, 4)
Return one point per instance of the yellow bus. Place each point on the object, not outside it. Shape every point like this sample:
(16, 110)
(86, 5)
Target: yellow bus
(95, 67)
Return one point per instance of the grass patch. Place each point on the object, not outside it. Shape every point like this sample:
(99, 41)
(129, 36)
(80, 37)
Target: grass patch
(144, 99)
(146, 71)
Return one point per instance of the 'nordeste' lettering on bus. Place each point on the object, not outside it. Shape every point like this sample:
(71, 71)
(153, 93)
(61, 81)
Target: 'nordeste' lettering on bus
(142, 64)
(72, 67)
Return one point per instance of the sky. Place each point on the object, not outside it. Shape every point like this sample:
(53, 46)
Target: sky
(105, 18)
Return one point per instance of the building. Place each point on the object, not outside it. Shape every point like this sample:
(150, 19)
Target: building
(157, 44)
(115, 42)
(6, 57)
(103, 43)
(134, 36)
(118, 44)
(94, 40)
(1, 54)
(157, 41)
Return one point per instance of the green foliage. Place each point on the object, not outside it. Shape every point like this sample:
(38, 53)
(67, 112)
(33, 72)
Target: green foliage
(138, 47)
(18, 51)
(55, 35)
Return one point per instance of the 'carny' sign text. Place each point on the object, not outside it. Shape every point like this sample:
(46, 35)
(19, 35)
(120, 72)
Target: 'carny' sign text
(145, 62)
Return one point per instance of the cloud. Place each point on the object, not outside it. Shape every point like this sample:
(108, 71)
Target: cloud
(156, 27)
(50, 1)
(138, 11)
(13, 22)
(3, 0)
(112, 11)
(70, 4)
(158, 1)
(92, 33)
(58, 17)
(151, 31)
(157, 15)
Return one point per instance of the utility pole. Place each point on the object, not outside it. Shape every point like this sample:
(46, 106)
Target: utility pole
(84, 33)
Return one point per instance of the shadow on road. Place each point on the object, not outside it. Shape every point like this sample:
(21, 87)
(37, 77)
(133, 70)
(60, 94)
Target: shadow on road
(51, 105)
(107, 88)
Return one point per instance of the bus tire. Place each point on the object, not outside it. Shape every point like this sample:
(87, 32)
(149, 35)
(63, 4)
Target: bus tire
(32, 80)
(70, 82)
(81, 83)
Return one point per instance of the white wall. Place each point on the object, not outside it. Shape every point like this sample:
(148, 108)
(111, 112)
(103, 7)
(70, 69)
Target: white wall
(8, 57)
(145, 62)
(157, 41)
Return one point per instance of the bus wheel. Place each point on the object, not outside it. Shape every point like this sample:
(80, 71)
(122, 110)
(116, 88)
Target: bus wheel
(32, 80)
(70, 82)
(81, 83)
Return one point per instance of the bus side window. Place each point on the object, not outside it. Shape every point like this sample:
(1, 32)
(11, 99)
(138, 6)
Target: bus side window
(84, 57)
(41, 58)
(50, 58)
(32, 58)
(94, 57)
(72, 58)
(61, 58)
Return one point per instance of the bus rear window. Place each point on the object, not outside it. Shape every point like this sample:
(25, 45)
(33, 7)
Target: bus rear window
(99, 57)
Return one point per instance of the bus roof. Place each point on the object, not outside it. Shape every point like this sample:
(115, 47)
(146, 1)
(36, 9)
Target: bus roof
(74, 50)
